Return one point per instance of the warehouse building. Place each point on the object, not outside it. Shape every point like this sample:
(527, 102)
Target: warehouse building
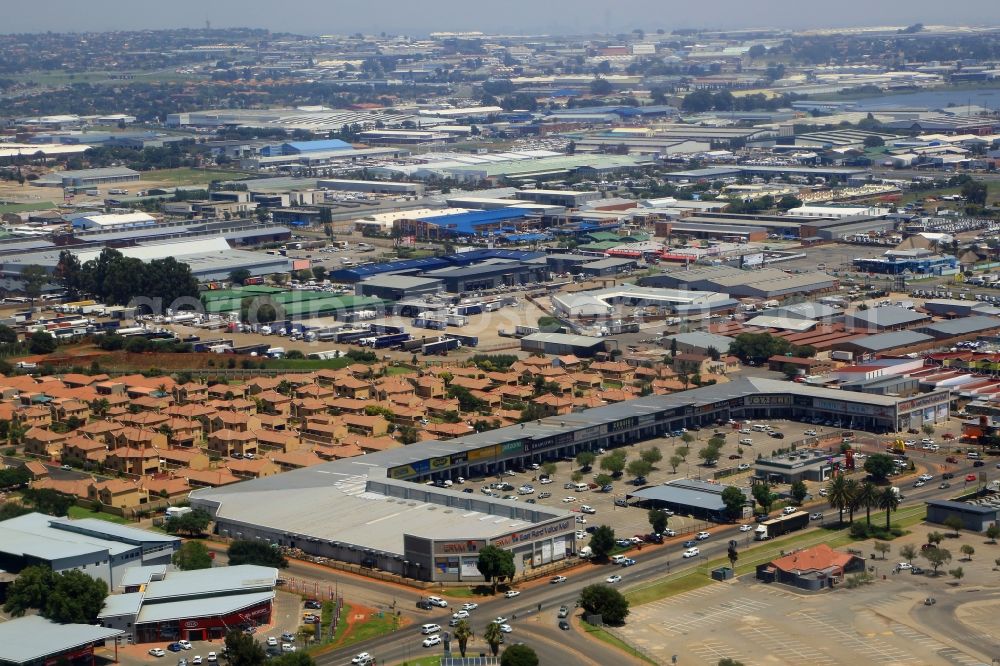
(567, 198)
(966, 326)
(567, 263)
(398, 287)
(371, 186)
(883, 343)
(198, 605)
(470, 223)
(489, 275)
(113, 221)
(886, 318)
(698, 342)
(896, 262)
(562, 344)
(87, 178)
(98, 548)
(976, 517)
(603, 302)
(763, 283)
(608, 267)
(34, 641)
(729, 233)
(800, 465)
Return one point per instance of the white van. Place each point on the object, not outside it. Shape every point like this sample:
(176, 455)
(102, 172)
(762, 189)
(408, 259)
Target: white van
(617, 559)
(430, 629)
(747, 441)
(581, 487)
(760, 427)
(973, 455)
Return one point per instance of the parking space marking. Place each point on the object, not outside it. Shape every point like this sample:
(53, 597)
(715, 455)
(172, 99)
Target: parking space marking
(874, 649)
(713, 651)
(710, 615)
(953, 655)
(956, 656)
(786, 648)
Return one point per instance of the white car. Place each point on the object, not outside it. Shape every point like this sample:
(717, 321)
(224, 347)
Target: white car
(668, 533)
(287, 647)
(362, 658)
(460, 615)
(580, 520)
(742, 467)
(185, 645)
(613, 579)
(789, 510)
(211, 658)
(510, 594)
(437, 601)
(745, 431)
(558, 579)
(157, 652)
(546, 481)
(692, 552)
(568, 500)
(810, 433)
(925, 477)
(580, 534)
(470, 606)
(588, 509)
(431, 641)
(701, 536)
(506, 628)
(196, 660)
(271, 640)
(746, 528)
(904, 566)
(500, 619)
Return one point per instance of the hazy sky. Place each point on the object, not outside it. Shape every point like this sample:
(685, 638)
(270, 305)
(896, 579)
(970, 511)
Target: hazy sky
(510, 16)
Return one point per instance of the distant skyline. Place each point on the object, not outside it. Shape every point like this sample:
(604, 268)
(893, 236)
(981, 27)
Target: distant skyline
(312, 17)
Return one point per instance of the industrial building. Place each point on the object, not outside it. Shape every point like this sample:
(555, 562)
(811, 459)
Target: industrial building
(562, 344)
(800, 465)
(698, 342)
(488, 275)
(101, 549)
(371, 186)
(764, 283)
(34, 641)
(896, 262)
(203, 604)
(603, 302)
(87, 177)
(976, 516)
(886, 318)
(114, 221)
(398, 287)
(567, 198)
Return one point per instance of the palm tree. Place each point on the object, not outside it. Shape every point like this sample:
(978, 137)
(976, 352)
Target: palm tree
(837, 495)
(853, 491)
(493, 636)
(868, 497)
(889, 501)
(462, 634)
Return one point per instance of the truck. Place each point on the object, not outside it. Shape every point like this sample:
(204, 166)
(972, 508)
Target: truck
(775, 527)
(842, 356)
(391, 340)
(521, 331)
(433, 324)
(456, 320)
(441, 346)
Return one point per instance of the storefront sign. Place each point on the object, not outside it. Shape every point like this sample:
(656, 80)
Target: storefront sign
(531, 535)
(484, 453)
(588, 433)
(623, 424)
(459, 546)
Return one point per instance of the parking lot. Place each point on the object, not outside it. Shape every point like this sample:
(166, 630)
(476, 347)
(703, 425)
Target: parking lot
(756, 623)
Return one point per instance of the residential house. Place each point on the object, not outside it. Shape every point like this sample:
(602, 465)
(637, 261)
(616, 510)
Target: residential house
(372, 426)
(44, 443)
(251, 469)
(226, 442)
(137, 462)
(191, 392)
(118, 493)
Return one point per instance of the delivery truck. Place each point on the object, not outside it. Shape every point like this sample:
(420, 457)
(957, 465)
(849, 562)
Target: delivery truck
(775, 527)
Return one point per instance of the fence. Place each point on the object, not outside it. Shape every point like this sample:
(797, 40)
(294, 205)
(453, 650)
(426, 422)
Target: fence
(470, 661)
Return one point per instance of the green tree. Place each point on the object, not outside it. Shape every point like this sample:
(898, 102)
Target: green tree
(495, 564)
(799, 492)
(293, 659)
(658, 520)
(652, 455)
(867, 498)
(874, 141)
(41, 342)
(934, 538)
(639, 468)
(75, 598)
(675, 462)
(709, 454)
(879, 466)
(192, 555)
(493, 636)
(602, 541)
(968, 551)
(992, 532)
(243, 650)
(614, 462)
(193, 522)
(888, 501)
(936, 557)
(728, 661)
(908, 552)
(243, 551)
(974, 192)
(239, 276)
(585, 459)
(957, 573)
(549, 468)
(34, 278)
(788, 202)
(519, 655)
(837, 495)
(605, 601)
(462, 634)
(954, 523)
(735, 500)
(603, 480)
(881, 547)
(763, 495)
(30, 590)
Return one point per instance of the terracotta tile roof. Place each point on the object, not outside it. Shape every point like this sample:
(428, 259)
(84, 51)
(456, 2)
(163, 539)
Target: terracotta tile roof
(817, 558)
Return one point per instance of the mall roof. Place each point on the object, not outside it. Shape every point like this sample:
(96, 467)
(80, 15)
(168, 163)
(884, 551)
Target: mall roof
(32, 638)
(203, 607)
(121, 604)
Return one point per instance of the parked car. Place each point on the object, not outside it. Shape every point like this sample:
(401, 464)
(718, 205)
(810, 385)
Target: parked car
(157, 652)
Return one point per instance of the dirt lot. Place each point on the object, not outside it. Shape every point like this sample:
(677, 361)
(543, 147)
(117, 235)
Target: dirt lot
(886, 622)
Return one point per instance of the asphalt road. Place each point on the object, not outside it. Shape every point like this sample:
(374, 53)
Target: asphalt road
(538, 628)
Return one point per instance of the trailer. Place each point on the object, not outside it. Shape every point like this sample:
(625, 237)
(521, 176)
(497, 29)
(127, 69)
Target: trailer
(351, 337)
(522, 331)
(466, 310)
(466, 340)
(775, 527)
(392, 340)
(386, 329)
(441, 346)
(433, 324)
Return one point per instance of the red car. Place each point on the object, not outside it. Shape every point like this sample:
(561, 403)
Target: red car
(970, 477)
(951, 459)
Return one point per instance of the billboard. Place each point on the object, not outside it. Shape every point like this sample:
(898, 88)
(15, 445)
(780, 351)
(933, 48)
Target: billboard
(755, 259)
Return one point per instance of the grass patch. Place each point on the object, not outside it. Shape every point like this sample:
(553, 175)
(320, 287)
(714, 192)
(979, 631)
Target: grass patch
(78, 512)
(466, 592)
(373, 627)
(187, 176)
(668, 587)
(305, 363)
(602, 635)
(25, 207)
(399, 370)
(424, 661)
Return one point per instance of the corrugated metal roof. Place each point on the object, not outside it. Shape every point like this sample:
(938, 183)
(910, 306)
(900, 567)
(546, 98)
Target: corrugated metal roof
(890, 340)
(33, 638)
(204, 607)
(687, 492)
(218, 580)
